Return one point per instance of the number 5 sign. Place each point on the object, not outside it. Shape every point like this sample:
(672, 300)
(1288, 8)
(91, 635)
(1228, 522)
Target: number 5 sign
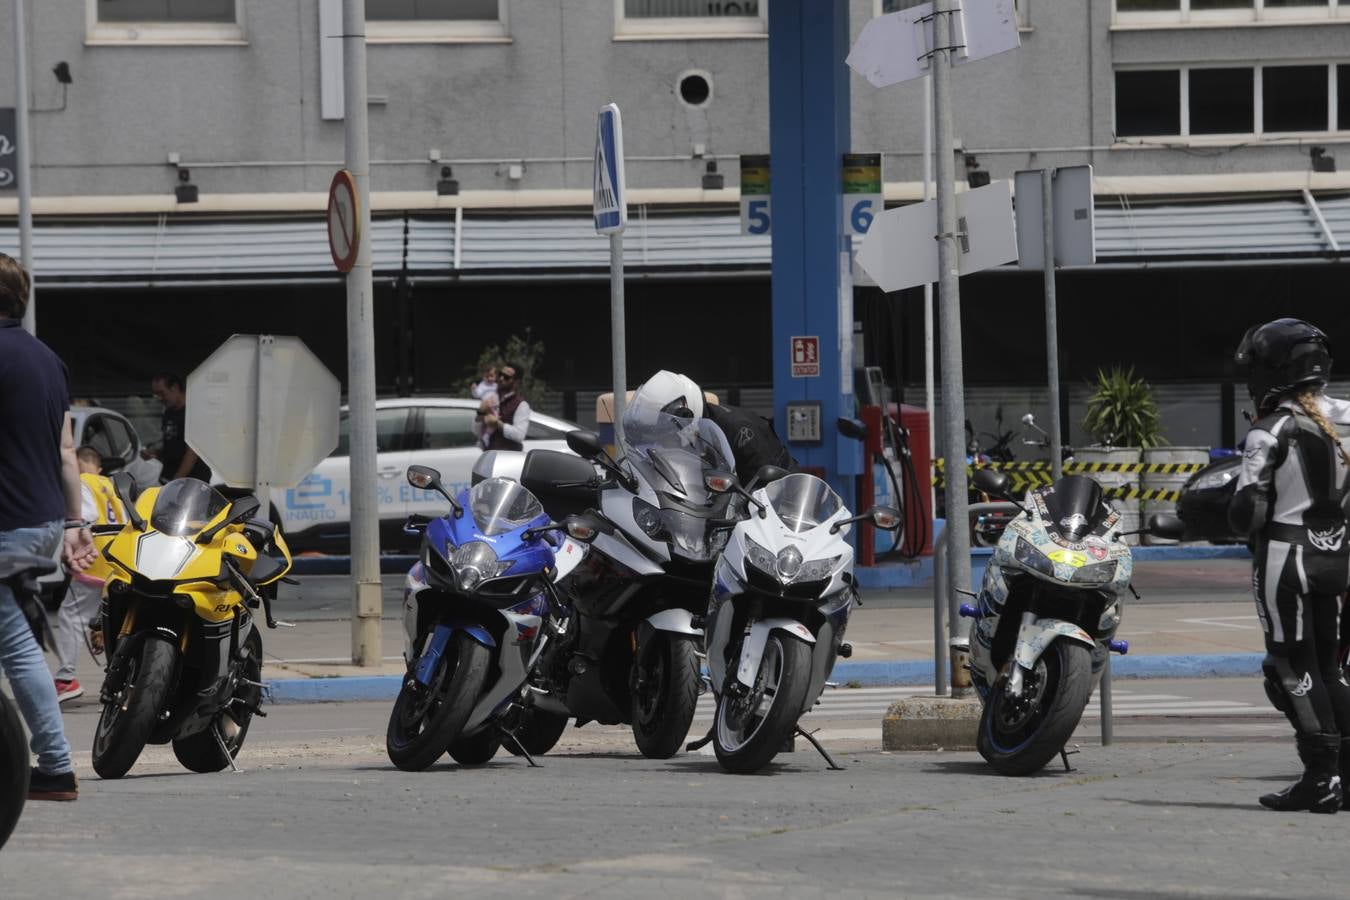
(755, 217)
(861, 191)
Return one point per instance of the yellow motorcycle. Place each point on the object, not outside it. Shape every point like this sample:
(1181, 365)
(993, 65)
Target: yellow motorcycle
(184, 654)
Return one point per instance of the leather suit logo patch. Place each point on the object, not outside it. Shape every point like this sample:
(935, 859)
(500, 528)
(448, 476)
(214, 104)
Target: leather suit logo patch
(1329, 541)
(1302, 688)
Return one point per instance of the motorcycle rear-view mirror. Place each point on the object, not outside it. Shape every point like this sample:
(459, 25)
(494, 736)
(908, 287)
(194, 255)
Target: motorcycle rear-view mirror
(428, 479)
(887, 518)
(237, 511)
(125, 487)
(993, 483)
(585, 444)
(1167, 526)
(851, 428)
(766, 474)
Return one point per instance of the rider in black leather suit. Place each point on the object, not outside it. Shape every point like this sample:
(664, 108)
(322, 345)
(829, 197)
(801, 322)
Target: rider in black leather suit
(1290, 501)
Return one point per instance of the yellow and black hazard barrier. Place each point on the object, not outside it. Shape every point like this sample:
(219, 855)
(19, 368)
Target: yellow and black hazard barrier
(1027, 474)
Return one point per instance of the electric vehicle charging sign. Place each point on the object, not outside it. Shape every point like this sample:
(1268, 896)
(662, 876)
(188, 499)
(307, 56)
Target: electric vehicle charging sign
(611, 206)
(862, 194)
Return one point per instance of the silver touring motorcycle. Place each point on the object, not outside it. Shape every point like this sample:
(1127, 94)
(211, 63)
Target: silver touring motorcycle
(1046, 617)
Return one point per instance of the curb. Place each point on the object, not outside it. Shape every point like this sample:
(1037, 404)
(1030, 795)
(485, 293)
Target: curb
(864, 674)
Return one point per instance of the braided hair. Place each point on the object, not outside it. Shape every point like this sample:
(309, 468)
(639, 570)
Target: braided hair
(1307, 401)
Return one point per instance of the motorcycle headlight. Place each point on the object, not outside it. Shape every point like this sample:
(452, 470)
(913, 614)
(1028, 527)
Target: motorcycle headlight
(818, 569)
(788, 563)
(1213, 480)
(1097, 573)
(648, 518)
(474, 563)
(1032, 558)
(760, 558)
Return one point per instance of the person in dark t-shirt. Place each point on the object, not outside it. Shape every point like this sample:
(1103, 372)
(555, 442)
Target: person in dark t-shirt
(39, 513)
(180, 460)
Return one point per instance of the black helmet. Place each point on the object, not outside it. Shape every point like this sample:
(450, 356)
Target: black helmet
(1281, 356)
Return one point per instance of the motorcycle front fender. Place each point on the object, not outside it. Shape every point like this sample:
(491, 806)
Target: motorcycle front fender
(752, 649)
(680, 621)
(1036, 635)
(425, 668)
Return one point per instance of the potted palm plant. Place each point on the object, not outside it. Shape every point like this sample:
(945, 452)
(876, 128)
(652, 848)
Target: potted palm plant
(1122, 417)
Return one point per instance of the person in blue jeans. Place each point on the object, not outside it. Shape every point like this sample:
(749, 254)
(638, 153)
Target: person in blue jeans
(39, 512)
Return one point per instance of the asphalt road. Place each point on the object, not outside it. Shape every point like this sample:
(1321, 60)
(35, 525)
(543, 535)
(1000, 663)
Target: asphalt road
(1167, 811)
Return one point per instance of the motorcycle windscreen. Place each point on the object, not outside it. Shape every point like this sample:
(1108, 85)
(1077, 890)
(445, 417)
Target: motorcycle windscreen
(185, 506)
(1075, 506)
(499, 506)
(802, 501)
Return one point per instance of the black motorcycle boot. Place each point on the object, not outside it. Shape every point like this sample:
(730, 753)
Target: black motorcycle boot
(1319, 790)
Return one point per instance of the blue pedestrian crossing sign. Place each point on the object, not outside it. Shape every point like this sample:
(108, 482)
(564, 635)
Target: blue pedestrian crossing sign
(611, 206)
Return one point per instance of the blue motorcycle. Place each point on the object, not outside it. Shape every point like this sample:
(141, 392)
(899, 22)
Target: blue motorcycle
(474, 611)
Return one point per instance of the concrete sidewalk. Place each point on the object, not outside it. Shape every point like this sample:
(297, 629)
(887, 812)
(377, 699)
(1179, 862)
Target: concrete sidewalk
(1195, 618)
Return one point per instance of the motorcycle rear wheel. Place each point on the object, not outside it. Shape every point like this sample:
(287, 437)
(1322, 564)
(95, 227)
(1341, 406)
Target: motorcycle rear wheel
(665, 695)
(14, 765)
(125, 724)
(1021, 741)
(475, 750)
(747, 734)
(200, 752)
(538, 734)
(426, 720)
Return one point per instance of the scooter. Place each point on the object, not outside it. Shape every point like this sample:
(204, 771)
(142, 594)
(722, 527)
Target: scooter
(1046, 616)
(781, 598)
(473, 612)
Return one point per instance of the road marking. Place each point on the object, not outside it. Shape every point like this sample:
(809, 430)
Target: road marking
(1250, 621)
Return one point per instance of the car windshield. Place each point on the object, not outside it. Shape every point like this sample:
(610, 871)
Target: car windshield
(1073, 506)
(802, 501)
(185, 506)
(499, 506)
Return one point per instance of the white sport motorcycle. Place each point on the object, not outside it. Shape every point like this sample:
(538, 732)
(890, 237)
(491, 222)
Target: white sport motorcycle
(781, 597)
(1046, 617)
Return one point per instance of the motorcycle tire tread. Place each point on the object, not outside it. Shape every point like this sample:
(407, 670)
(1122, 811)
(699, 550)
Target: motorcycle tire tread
(199, 752)
(14, 764)
(1057, 725)
(460, 695)
(540, 733)
(665, 738)
(158, 658)
(782, 717)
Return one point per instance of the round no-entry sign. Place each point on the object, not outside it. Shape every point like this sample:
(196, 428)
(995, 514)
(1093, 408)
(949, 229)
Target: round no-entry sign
(344, 220)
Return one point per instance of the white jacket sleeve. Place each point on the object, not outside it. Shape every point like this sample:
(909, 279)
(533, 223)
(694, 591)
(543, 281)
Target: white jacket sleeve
(519, 426)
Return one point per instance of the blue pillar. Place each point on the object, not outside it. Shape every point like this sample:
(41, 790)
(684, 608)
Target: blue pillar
(808, 135)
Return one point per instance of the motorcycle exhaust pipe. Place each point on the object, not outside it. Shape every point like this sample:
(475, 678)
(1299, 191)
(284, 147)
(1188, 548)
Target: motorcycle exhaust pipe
(546, 702)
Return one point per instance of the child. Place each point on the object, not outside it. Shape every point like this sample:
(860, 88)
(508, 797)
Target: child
(99, 504)
(490, 406)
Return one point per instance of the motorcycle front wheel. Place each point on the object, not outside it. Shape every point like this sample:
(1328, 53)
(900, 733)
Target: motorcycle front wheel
(14, 764)
(1019, 735)
(749, 730)
(130, 716)
(426, 720)
(665, 694)
(200, 752)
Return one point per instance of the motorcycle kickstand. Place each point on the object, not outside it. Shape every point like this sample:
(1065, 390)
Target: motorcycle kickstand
(1064, 756)
(819, 749)
(523, 752)
(220, 742)
(700, 743)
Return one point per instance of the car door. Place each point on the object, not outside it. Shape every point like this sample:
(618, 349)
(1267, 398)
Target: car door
(322, 501)
(446, 443)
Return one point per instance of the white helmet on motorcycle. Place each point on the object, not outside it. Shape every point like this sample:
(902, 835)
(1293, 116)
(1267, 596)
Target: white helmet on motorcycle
(670, 392)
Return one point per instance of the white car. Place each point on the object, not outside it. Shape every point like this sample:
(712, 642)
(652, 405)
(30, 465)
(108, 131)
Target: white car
(427, 431)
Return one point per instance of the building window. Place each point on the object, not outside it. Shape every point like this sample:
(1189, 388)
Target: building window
(690, 18)
(435, 21)
(1148, 103)
(1263, 100)
(164, 21)
(1221, 101)
(890, 6)
(1227, 12)
(1294, 98)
